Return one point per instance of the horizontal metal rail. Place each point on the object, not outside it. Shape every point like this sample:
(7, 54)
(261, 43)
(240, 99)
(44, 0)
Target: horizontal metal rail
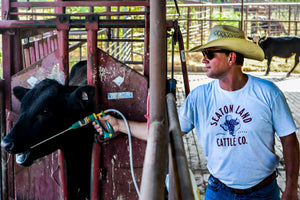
(235, 4)
(79, 14)
(8, 24)
(110, 40)
(77, 3)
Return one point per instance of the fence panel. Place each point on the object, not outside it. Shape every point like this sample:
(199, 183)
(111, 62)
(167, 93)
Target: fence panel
(273, 19)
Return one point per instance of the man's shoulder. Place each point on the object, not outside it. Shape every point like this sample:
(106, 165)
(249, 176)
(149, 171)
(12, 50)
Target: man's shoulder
(265, 88)
(262, 83)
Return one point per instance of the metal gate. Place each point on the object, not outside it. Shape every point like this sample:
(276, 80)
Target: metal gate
(111, 179)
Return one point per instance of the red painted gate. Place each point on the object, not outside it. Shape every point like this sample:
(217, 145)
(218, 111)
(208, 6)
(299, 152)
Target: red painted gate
(46, 177)
(125, 90)
(43, 178)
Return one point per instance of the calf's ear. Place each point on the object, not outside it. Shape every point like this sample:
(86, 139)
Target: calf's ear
(19, 92)
(85, 94)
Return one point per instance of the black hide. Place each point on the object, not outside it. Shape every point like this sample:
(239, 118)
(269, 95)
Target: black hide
(283, 47)
(46, 110)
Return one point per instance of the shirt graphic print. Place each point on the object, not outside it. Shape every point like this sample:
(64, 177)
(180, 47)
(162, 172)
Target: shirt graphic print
(229, 120)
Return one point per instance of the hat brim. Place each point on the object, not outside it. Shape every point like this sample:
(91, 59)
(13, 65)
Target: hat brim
(242, 46)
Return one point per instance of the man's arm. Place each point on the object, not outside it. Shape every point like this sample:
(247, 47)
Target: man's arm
(290, 146)
(137, 129)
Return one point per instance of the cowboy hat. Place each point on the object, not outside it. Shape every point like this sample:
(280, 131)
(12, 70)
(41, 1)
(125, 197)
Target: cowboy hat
(233, 39)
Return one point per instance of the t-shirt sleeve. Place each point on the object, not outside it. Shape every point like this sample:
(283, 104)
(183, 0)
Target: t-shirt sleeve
(283, 121)
(186, 115)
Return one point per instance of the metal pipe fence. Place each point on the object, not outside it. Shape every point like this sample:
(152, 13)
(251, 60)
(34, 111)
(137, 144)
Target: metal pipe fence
(195, 21)
(273, 19)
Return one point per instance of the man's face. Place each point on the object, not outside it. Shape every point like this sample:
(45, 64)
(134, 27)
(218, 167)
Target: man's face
(216, 63)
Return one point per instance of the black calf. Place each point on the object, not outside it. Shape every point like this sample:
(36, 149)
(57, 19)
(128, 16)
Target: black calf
(283, 47)
(46, 110)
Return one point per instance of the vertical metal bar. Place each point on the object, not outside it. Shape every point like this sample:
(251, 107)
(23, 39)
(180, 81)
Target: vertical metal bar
(146, 43)
(17, 55)
(242, 16)
(3, 133)
(202, 16)
(118, 36)
(245, 23)
(26, 62)
(13, 63)
(95, 193)
(48, 39)
(52, 47)
(63, 26)
(45, 46)
(152, 186)
(32, 53)
(158, 60)
(37, 52)
(92, 62)
(41, 48)
(55, 42)
(8, 187)
(59, 10)
(290, 17)
(188, 28)
(269, 20)
(183, 63)
(108, 34)
(295, 18)
(210, 16)
(12, 60)
(92, 27)
(183, 182)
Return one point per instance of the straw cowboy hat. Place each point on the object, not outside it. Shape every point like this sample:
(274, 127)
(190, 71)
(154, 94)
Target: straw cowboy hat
(233, 39)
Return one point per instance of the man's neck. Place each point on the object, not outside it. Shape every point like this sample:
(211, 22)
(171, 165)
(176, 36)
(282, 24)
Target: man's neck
(233, 82)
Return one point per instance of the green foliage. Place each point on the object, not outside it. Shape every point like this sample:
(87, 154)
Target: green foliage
(227, 18)
(77, 10)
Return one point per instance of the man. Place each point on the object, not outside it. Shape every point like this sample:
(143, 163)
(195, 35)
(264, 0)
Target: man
(235, 118)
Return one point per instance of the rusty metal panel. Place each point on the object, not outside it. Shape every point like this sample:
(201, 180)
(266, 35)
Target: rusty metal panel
(115, 78)
(125, 90)
(42, 179)
(39, 181)
(45, 68)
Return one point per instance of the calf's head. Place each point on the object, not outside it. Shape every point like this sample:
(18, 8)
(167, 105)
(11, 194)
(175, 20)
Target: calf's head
(46, 110)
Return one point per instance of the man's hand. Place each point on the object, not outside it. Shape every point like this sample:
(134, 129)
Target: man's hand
(138, 129)
(290, 195)
(110, 119)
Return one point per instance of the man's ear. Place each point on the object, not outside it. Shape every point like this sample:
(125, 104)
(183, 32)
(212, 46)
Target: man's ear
(19, 92)
(232, 58)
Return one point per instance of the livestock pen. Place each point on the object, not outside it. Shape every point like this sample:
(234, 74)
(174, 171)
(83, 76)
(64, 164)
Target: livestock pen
(42, 39)
(267, 18)
(38, 37)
